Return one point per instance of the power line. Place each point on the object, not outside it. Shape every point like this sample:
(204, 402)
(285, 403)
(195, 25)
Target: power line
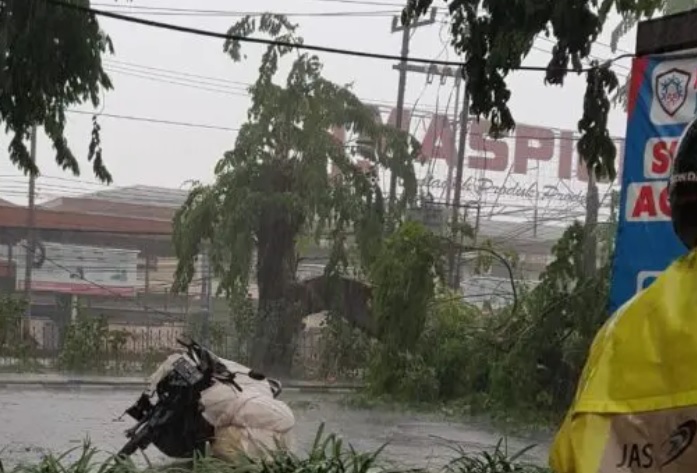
(366, 3)
(220, 80)
(239, 88)
(378, 13)
(169, 11)
(155, 120)
(199, 86)
(271, 42)
(154, 77)
(350, 13)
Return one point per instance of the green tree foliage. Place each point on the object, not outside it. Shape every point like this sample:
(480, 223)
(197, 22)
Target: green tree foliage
(544, 346)
(13, 341)
(345, 349)
(89, 345)
(405, 277)
(50, 60)
(495, 36)
(528, 360)
(275, 185)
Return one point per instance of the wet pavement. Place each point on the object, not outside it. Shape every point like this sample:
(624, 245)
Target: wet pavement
(33, 421)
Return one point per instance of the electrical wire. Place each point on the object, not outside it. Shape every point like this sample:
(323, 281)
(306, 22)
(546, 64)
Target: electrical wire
(157, 120)
(165, 80)
(195, 12)
(271, 42)
(182, 76)
(169, 11)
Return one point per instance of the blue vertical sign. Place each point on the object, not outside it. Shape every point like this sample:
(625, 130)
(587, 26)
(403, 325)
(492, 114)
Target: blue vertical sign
(662, 102)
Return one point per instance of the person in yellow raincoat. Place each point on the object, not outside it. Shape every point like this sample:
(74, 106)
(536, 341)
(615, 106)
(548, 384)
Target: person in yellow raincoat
(635, 408)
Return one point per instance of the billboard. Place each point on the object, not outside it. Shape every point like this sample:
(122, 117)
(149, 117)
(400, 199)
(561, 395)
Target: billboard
(81, 270)
(534, 167)
(662, 101)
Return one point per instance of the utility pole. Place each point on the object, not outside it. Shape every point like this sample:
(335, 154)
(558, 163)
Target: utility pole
(31, 223)
(449, 183)
(455, 253)
(206, 295)
(401, 88)
(444, 72)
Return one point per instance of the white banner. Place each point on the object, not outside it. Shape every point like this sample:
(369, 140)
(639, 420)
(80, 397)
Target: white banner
(82, 270)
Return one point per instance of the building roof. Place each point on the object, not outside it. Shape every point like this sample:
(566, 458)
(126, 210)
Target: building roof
(142, 195)
(7, 203)
(49, 219)
(156, 203)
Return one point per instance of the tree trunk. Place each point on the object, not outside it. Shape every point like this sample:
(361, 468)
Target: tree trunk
(278, 319)
(590, 239)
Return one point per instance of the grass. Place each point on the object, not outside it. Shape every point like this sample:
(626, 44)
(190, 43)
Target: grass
(329, 454)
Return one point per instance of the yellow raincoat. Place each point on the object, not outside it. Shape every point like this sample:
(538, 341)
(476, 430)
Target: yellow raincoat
(636, 405)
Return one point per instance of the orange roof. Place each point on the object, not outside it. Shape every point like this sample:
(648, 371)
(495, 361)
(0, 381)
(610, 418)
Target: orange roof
(16, 217)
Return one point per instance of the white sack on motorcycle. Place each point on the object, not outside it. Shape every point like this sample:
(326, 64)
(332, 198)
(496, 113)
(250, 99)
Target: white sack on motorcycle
(248, 423)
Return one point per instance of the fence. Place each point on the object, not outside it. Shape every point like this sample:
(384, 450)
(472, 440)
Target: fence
(94, 345)
(117, 269)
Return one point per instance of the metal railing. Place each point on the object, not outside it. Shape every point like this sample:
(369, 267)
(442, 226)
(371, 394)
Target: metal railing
(97, 346)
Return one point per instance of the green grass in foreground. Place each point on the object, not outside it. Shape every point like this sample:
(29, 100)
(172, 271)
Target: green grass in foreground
(328, 455)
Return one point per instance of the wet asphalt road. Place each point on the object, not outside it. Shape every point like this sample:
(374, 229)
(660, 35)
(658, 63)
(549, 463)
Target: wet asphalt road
(36, 420)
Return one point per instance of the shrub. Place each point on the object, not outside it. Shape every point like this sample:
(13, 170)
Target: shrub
(89, 345)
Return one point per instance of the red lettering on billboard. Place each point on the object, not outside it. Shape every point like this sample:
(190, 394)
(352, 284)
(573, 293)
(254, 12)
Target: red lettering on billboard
(486, 148)
(532, 143)
(663, 156)
(566, 154)
(648, 204)
(645, 205)
(664, 202)
(439, 141)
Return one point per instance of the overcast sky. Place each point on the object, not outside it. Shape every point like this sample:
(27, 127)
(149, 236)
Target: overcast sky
(149, 62)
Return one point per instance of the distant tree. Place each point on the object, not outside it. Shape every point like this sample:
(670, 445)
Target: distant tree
(495, 36)
(275, 185)
(50, 60)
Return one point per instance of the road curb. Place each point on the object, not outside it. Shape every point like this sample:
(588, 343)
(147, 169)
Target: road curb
(56, 382)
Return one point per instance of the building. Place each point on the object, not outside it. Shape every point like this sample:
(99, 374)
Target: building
(97, 252)
(110, 251)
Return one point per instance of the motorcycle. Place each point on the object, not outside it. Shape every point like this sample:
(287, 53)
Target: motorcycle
(195, 399)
